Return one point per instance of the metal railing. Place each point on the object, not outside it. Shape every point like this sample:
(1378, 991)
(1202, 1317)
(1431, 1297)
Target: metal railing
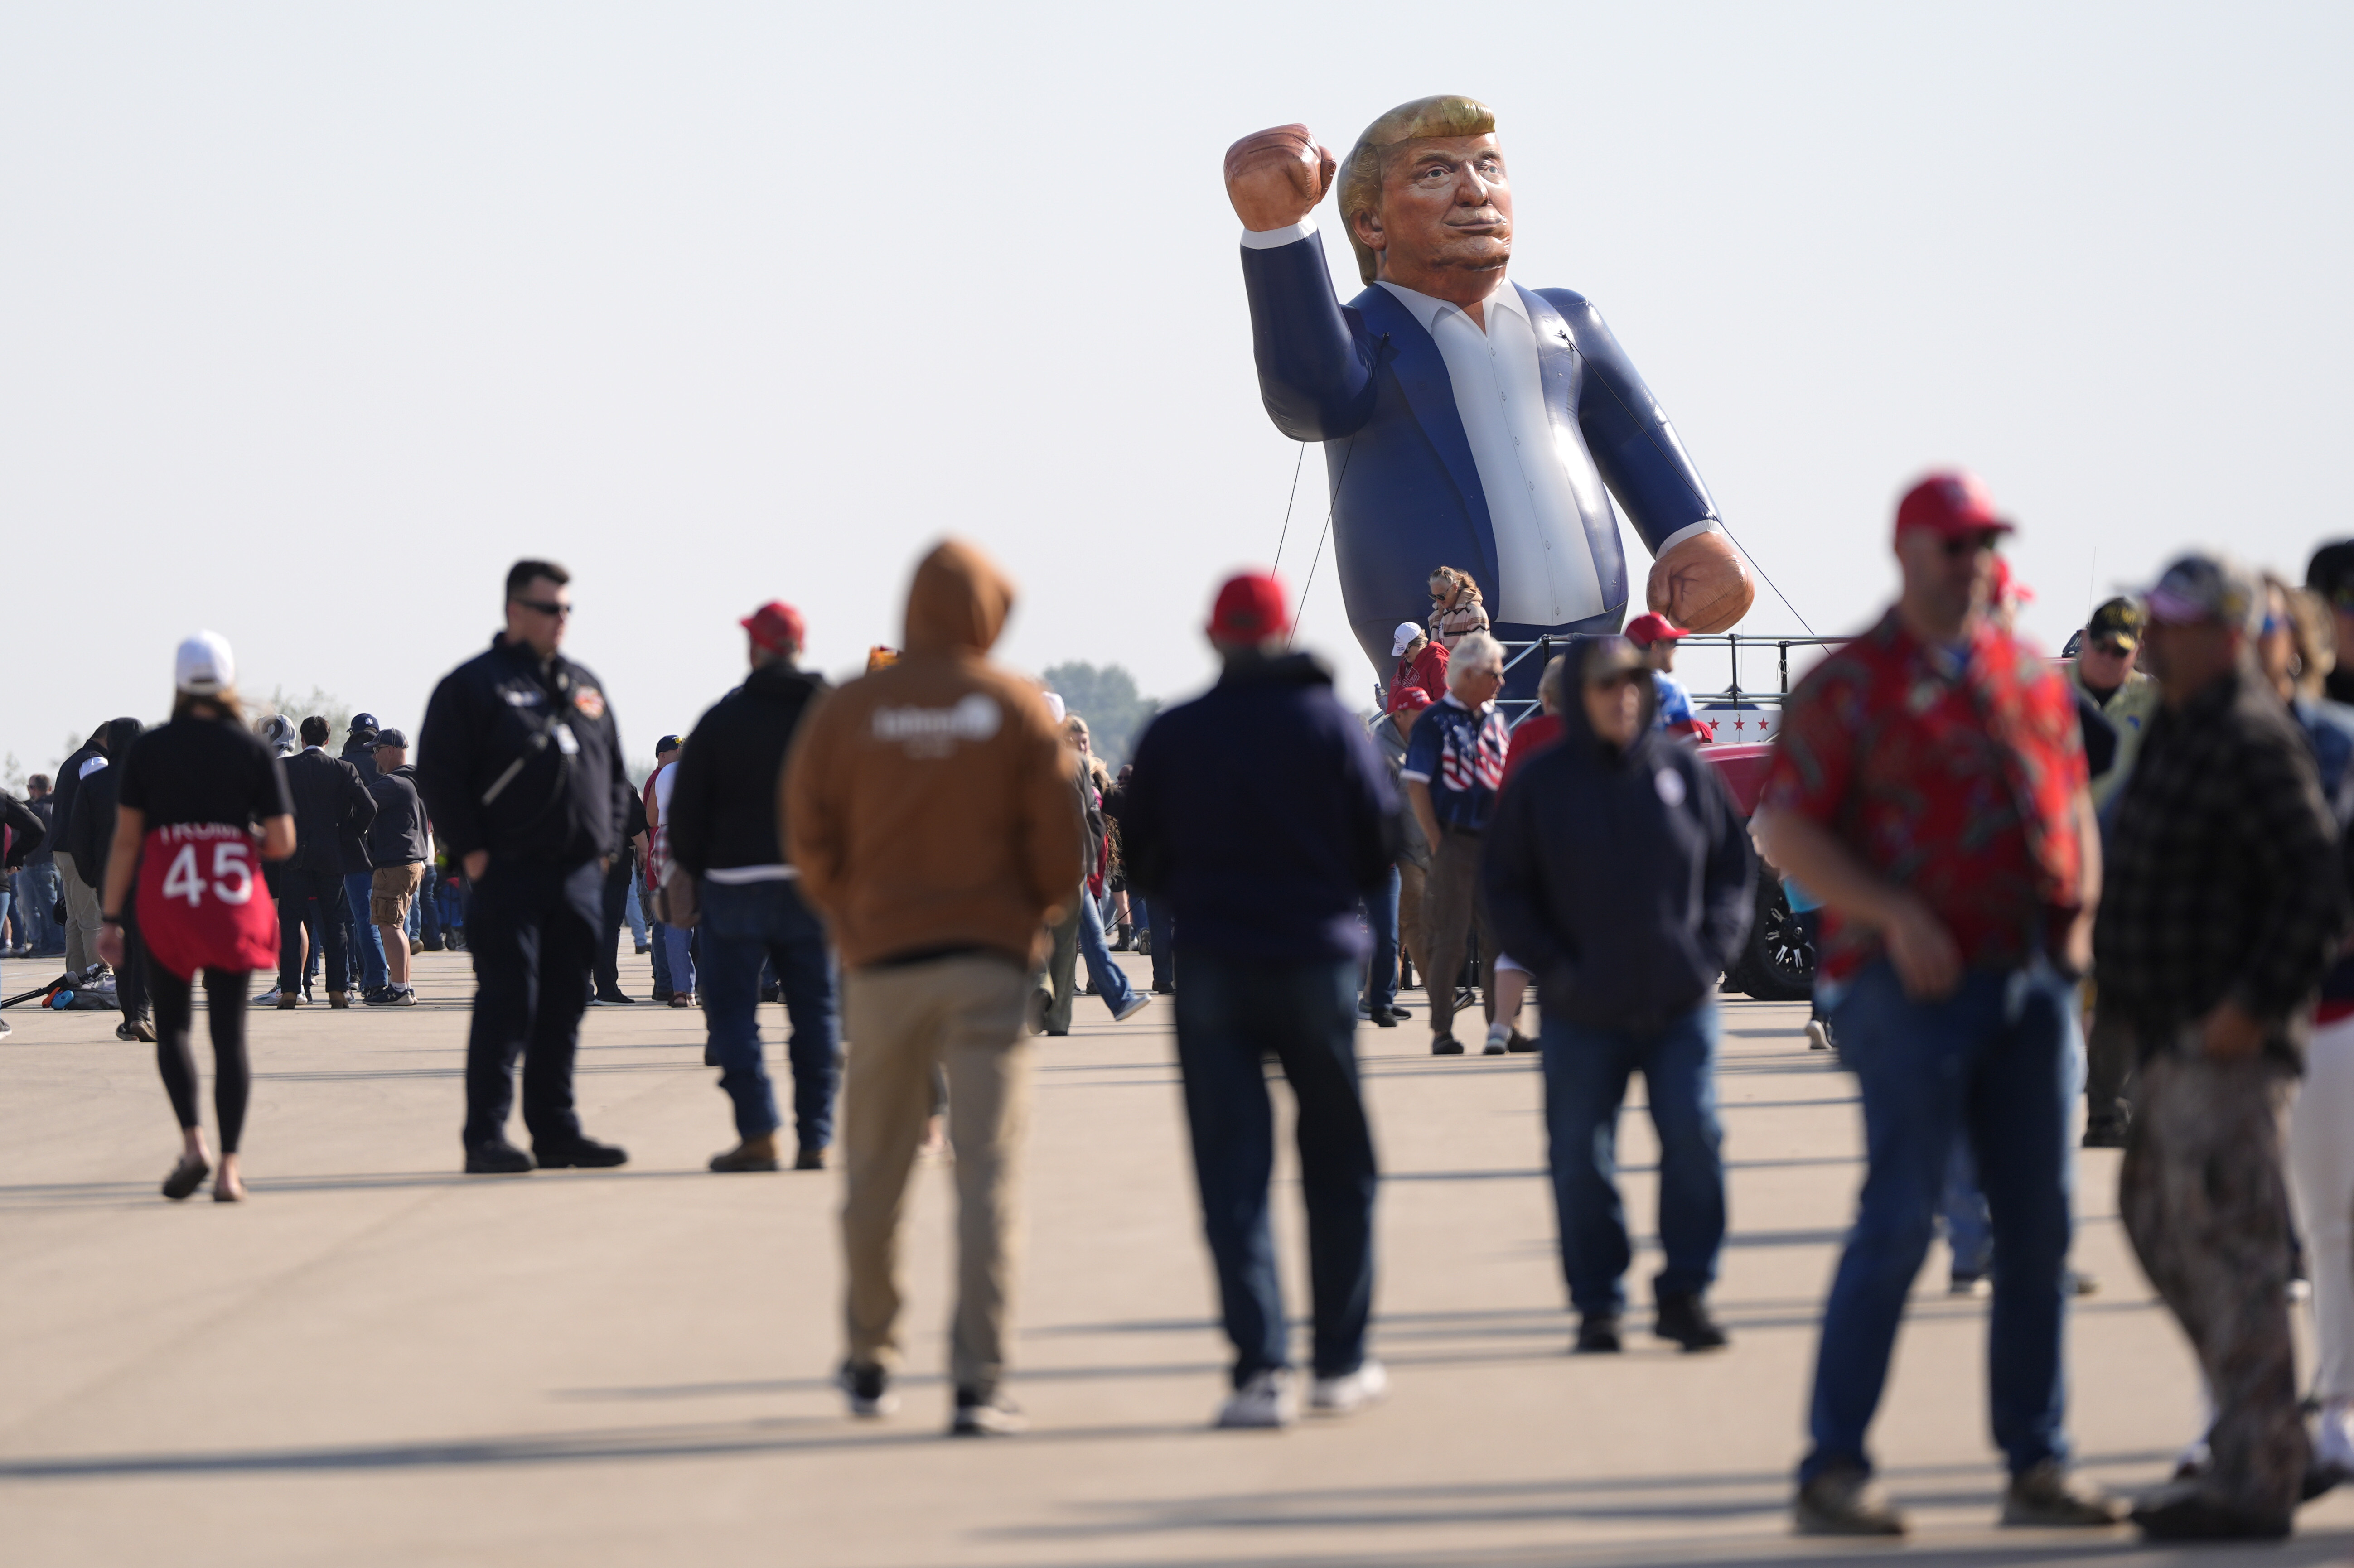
(1734, 694)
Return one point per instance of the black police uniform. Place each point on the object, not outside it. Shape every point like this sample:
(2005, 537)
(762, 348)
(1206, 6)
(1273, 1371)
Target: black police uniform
(522, 758)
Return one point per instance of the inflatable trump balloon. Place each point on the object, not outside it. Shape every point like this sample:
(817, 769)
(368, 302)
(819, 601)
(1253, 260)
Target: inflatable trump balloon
(1465, 419)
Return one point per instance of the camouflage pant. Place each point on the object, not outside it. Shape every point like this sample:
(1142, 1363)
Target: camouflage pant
(2206, 1204)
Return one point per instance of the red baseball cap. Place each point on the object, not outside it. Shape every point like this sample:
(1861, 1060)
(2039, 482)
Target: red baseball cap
(1249, 609)
(1646, 630)
(1951, 504)
(775, 625)
(1405, 699)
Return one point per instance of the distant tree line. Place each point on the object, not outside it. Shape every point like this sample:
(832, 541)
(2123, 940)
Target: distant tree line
(1105, 696)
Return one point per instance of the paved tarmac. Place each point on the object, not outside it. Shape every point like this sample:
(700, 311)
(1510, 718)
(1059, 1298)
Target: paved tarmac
(378, 1360)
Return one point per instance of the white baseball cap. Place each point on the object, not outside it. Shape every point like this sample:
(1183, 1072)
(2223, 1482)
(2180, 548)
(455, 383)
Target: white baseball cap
(204, 665)
(1403, 638)
(1054, 705)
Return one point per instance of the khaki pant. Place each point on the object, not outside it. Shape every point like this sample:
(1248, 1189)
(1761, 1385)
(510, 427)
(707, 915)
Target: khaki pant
(82, 915)
(962, 1015)
(2203, 1199)
(1452, 907)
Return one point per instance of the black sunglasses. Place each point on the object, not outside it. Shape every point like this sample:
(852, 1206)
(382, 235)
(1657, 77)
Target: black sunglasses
(544, 607)
(1962, 545)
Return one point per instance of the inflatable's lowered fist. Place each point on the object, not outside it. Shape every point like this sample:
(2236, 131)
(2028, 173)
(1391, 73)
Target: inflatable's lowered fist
(1702, 584)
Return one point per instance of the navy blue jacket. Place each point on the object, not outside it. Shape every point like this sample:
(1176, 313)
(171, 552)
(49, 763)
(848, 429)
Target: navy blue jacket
(1262, 813)
(1370, 383)
(1623, 881)
(522, 758)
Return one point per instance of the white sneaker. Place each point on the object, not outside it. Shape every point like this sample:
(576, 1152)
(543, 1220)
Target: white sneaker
(2333, 1447)
(1819, 1038)
(267, 999)
(1498, 1036)
(1350, 1392)
(1136, 1004)
(1267, 1401)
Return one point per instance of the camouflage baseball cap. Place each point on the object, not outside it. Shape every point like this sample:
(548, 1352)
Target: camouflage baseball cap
(2119, 620)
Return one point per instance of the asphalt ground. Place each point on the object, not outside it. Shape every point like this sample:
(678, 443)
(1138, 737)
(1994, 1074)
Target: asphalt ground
(376, 1359)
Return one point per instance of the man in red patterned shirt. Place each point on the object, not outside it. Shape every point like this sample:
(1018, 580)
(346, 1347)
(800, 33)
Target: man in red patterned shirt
(1929, 786)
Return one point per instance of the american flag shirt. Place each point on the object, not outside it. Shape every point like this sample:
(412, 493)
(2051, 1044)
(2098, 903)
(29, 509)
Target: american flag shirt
(1460, 754)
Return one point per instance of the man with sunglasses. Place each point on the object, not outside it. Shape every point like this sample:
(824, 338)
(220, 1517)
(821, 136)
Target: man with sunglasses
(2104, 670)
(520, 763)
(1928, 785)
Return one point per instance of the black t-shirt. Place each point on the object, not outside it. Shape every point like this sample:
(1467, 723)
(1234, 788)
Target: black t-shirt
(203, 770)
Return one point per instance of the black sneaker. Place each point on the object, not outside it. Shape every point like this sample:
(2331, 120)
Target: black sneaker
(867, 1389)
(662, 993)
(2105, 1134)
(1597, 1335)
(583, 1153)
(1382, 1017)
(374, 996)
(1843, 1500)
(1445, 1046)
(1685, 1320)
(501, 1159)
(616, 998)
(772, 993)
(990, 1414)
(1519, 1044)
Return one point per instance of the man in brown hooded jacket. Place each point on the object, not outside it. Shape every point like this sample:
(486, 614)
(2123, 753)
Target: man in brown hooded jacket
(929, 807)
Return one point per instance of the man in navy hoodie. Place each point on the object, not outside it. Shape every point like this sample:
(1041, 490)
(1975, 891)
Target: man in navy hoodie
(1617, 871)
(1261, 813)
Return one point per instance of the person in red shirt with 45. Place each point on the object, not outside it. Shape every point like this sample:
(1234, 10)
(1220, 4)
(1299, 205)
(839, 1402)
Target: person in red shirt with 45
(1929, 786)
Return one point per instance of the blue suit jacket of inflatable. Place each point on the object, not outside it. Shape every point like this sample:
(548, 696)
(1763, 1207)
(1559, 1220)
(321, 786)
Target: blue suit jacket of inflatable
(1370, 383)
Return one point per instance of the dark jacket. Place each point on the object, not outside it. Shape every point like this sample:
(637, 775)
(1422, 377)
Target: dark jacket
(397, 835)
(91, 840)
(69, 785)
(723, 802)
(523, 759)
(45, 808)
(2214, 885)
(359, 750)
(25, 830)
(1261, 811)
(329, 800)
(1622, 880)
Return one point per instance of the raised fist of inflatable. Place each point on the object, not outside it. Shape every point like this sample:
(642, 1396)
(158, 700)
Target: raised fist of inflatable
(1702, 584)
(1276, 177)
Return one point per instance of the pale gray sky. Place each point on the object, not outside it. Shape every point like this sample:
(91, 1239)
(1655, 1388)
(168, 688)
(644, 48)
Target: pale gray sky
(313, 317)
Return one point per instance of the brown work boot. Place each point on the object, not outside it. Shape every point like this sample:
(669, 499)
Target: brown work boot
(752, 1154)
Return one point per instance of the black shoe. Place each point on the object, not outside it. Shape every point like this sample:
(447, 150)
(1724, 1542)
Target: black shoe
(2105, 1134)
(2185, 1513)
(1844, 1501)
(867, 1389)
(1445, 1046)
(809, 1159)
(1685, 1320)
(185, 1178)
(434, 946)
(1165, 991)
(644, 947)
(500, 1158)
(374, 996)
(615, 998)
(1384, 1017)
(771, 992)
(661, 994)
(1519, 1044)
(1597, 1335)
(583, 1153)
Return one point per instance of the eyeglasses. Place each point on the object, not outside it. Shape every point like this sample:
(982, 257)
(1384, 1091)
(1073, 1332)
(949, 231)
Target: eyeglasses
(1962, 545)
(544, 607)
(2111, 649)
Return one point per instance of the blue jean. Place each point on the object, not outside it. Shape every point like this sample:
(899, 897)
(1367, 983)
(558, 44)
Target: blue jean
(1993, 1063)
(1585, 1074)
(40, 890)
(1231, 1013)
(1382, 918)
(678, 961)
(1105, 978)
(1153, 915)
(661, 956)
(1963, 1207)
(635, 915)
(743, 928)
(367, 939)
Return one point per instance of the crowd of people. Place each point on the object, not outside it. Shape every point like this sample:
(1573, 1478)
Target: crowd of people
(920, 863)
